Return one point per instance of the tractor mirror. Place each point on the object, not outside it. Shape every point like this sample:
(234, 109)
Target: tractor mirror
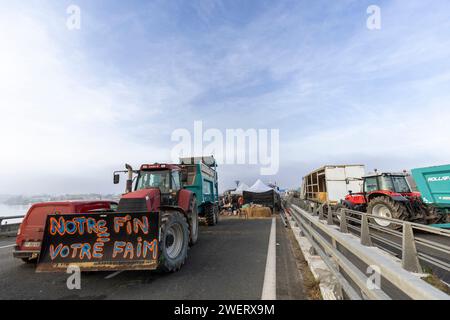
(350, 191)
(116, 178)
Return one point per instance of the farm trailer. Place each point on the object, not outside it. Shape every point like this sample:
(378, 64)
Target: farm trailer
(434, 186)
(331, 183)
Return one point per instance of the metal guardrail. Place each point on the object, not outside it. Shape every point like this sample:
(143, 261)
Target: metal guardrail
(9, 229)
(412, 248)
(350, 258)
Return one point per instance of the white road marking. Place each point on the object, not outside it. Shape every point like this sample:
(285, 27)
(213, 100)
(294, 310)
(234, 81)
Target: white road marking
(8, 246)
(270, 276)
(112, 275)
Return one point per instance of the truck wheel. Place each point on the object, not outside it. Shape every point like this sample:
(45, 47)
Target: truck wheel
(211, 214)
(193, 223)
(387, 208)
(174, 241)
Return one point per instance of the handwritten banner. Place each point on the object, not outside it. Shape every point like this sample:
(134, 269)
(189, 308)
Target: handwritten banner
(98, 241)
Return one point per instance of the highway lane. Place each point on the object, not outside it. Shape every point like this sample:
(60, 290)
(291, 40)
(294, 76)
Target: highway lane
(228, 262)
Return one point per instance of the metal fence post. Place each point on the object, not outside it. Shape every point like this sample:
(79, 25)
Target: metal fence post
(365, 235)
(410, 259)
(343, 222)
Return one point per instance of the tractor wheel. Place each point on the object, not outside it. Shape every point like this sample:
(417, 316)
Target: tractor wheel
(435, 216)
(387, 208)
(211, 214)
(193, 223)
(344, 205)
(174, 241)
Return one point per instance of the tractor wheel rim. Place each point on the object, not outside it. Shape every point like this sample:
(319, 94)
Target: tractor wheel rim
(381, 210)
(174, 241)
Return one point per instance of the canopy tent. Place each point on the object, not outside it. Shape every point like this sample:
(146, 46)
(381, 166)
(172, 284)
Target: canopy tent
(240, 189)
(259, 186)
(260, 193)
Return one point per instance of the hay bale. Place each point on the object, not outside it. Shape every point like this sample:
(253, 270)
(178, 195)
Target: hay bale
(259, 212)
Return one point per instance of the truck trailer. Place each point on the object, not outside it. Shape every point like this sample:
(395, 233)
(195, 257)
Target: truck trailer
(200, 177)
(434, 186)
(331, 183)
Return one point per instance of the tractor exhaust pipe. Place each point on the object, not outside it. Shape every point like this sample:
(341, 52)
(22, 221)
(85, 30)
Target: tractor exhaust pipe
(129, 184)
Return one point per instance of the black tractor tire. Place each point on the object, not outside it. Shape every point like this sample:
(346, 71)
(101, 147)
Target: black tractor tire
(174, 241)
(350, 215)
(435, 216)
(211, 214)
(392, 209)
(193, 222)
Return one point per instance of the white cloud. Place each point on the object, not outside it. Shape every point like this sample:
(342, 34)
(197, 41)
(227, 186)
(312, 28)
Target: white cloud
(57, 116)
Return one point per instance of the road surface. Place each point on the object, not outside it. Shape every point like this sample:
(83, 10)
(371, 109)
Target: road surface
(228, 262)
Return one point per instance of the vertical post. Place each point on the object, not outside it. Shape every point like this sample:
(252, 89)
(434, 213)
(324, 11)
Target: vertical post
(330, 215)
(365, 233)
(343, 221)
(410, 259)
(321, 217)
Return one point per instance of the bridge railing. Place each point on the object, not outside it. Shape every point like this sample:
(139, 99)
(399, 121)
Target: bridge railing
(406, 239)
(345, 241)
(8, 228)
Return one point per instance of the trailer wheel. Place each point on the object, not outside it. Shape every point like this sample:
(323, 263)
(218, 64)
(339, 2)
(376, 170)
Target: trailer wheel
(193, 222)
(174, 241)
(387, 208)
(340, 206)
(211, 214)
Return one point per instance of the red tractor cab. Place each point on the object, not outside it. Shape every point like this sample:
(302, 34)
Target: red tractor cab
(31, 231)
(389, 195)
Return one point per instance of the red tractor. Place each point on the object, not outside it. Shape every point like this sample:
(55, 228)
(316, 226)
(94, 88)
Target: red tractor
(158, 187)
(155, 222)
(389, 195)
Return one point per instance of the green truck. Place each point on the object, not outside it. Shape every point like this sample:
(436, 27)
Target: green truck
(199, 175)
(433, 184)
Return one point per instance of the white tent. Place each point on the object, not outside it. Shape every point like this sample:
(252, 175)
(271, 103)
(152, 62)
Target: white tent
(259, 186)
(241, 188)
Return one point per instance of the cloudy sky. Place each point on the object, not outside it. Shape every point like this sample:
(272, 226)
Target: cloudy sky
(77, 104)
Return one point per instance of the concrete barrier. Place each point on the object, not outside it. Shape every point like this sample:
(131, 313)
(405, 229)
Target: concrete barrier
(9, 229)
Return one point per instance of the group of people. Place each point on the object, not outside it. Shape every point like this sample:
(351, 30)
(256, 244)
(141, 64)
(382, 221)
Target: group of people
(232, 204)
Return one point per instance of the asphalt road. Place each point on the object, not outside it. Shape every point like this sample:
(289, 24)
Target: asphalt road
(228, 262)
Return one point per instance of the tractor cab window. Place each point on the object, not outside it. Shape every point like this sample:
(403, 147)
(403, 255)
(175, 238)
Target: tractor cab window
(176, 185)
(370, 184)
(154, 179)
(400, 184)
(386, 183)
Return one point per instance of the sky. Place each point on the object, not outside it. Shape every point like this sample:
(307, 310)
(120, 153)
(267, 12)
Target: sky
(77, 104)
